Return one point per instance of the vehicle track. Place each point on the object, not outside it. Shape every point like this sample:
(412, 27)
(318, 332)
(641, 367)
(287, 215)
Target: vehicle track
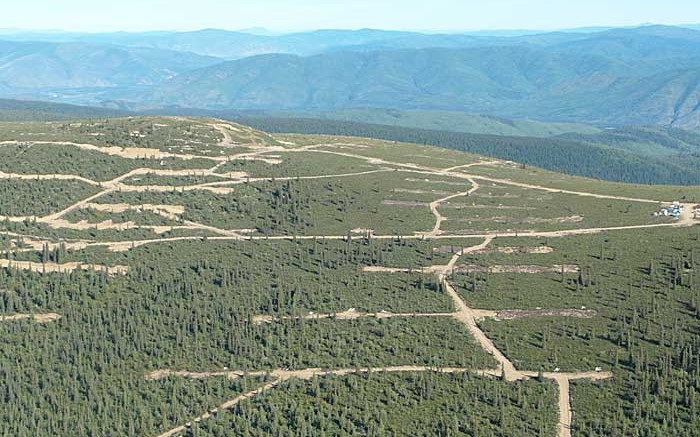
(439, 218)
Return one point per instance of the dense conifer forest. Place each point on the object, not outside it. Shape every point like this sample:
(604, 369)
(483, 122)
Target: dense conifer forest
(192, 277)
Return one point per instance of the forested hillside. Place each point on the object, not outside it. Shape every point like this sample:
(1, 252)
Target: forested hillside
(653, 141)
(174, 276)
(434, 120)
(582, 155)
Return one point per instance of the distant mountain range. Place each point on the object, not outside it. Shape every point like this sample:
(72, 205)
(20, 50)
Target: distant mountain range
(645, 75)
(231, 45)
(41, 65)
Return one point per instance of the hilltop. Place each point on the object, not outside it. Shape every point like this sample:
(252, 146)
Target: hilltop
(187, 275)
(646, 154)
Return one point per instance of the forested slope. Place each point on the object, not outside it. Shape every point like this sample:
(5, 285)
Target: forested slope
(562, 155)
(171, 276)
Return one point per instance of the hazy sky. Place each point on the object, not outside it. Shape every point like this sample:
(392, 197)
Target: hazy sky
(109, 15)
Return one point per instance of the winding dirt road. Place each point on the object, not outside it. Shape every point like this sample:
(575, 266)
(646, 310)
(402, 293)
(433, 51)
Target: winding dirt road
(117, 185)
(439, 218)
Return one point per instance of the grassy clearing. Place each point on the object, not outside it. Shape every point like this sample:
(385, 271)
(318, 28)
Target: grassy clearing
(392, 151)
(546, 178)
(295, 164)
(497, 207)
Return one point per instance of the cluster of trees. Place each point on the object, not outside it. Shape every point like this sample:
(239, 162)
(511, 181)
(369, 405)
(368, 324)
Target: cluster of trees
(299, 206)
(145, 218)
(380, 404)
(287, 278)
(299, 164)
(146, 132)
(269, 206)
(22, 197)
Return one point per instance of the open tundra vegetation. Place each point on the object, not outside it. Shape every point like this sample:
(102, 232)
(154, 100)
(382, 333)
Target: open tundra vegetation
(170, 276)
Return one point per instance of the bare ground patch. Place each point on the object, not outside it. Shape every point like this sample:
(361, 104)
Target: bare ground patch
(431, 181)
(521, 314)
(61, 268)
(474, 206)
(38, 318)
(565, 268)
(437, 192)
(511, 250)
(361, 231)
(172, 212)
(568, 219)
(496, 196)
(410, 203)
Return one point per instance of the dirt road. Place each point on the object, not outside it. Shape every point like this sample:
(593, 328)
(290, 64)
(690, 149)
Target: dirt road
(48, 177)
(439, 218)
(223, 407)
(463, 313)
(469, 317)
(564, 428)
(116, 185)
(450, 172)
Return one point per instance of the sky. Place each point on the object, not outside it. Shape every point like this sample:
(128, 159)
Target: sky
(290, 15)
